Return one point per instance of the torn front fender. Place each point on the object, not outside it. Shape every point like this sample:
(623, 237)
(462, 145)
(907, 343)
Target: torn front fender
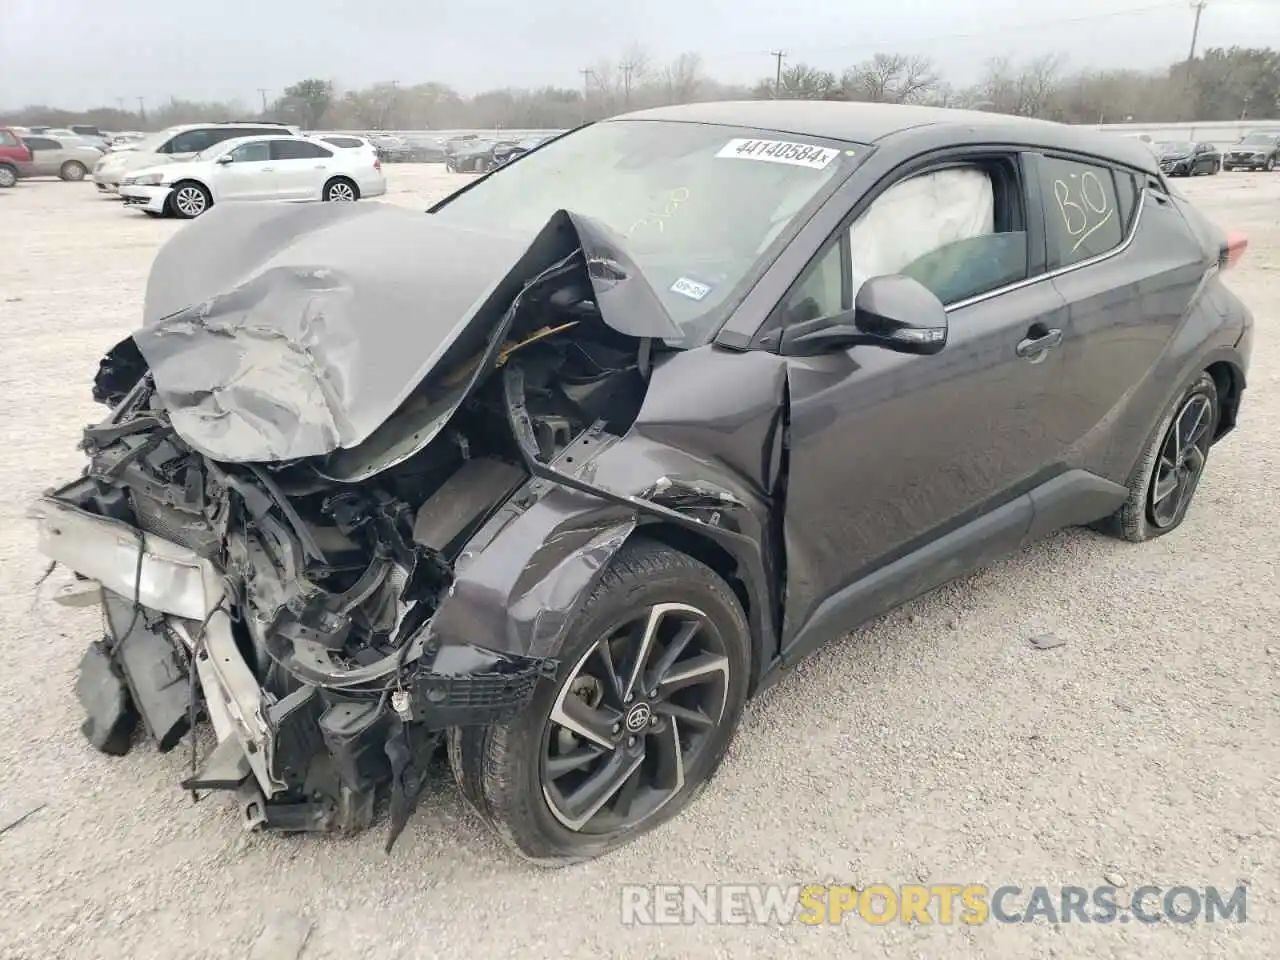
(695, 471)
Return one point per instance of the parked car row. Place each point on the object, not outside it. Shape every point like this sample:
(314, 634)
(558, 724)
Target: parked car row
(186, 170)
(1185, 158)
(477, 155)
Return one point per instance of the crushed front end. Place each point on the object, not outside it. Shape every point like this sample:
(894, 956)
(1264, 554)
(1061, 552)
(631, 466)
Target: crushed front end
(290, 612)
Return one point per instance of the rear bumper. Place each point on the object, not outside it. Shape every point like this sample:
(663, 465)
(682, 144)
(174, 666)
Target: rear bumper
(267, 745)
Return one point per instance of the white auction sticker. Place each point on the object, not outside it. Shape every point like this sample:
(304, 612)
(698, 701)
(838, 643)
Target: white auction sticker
(780, 151)
(690, 288)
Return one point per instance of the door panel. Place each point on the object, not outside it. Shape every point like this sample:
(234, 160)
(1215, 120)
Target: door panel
(245, 180)
(1122, 314)
(300, 179)
(888, 451)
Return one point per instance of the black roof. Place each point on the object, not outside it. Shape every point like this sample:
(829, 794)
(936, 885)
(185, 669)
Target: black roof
(881, 123)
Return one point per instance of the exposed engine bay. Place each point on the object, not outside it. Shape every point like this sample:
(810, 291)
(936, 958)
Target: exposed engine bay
(326, 586)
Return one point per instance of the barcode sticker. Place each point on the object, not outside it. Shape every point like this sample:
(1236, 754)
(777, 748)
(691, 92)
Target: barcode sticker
(779, 151)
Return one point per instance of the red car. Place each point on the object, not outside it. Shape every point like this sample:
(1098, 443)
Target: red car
(12, 152)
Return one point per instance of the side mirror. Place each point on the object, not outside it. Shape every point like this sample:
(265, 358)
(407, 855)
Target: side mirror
(224, 159)
(892, 312)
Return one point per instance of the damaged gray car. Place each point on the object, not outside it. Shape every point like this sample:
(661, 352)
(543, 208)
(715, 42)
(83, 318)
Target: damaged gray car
(556, 475)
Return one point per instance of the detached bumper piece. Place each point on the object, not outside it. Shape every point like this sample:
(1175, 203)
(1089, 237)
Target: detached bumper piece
(471, 686)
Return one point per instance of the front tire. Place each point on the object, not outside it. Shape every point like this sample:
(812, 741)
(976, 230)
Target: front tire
(73, 171)
(651, 688)
(1271, 164)
(189, 199)
(1164, 481)
(8, 176)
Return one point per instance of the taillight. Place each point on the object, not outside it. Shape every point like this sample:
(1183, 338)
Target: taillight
(1233, 249)
(377, 164)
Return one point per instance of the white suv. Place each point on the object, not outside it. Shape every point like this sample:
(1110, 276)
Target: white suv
(175, 143)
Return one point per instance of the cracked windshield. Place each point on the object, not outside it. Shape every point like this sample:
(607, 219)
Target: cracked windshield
(696, 205)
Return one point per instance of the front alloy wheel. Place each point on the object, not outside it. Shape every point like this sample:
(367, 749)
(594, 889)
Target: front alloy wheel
(653, 681)
(190, 200)
(641, 703)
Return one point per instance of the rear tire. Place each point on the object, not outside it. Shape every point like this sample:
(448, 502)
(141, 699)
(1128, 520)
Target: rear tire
(73, 171)
(540, 784)
(1165, 479)
(8, 176)
(340, 190)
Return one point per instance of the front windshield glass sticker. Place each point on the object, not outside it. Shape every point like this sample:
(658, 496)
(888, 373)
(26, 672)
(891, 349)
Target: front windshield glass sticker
(779, 151)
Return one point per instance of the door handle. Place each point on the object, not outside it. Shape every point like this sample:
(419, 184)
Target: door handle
(1033, 348)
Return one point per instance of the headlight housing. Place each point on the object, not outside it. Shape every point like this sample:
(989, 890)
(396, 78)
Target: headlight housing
(149, 179)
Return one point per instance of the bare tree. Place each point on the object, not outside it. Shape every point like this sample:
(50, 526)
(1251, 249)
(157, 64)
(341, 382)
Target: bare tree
(681, 80)
(891, 78)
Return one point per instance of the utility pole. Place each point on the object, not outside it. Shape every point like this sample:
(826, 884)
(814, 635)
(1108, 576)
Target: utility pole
(587, 74)
(142, 108)
(778, 55)
(262, 92)
(627, 69)
(1198, 6)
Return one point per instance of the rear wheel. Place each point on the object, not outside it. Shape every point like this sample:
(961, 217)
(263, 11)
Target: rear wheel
(8, 175)
(189, 199)
(651, 688)
(73, 170)
(341, 190)
(1164, 481)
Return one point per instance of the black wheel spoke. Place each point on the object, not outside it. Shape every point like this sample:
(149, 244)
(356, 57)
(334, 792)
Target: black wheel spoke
(576, 759)
(591, 723)
(582, 803)
(675, 649)
(627, 795)
(700, 669)
(643, 649)
(1165, 485)
(613, 680)
(686, 715)
(669, 773)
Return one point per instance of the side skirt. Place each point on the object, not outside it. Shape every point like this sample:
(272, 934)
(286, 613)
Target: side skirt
(1070, 499)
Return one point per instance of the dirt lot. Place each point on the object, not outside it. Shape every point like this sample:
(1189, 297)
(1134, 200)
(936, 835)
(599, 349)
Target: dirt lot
(934, 745)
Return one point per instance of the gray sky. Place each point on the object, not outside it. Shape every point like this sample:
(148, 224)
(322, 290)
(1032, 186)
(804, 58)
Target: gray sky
(80, 53)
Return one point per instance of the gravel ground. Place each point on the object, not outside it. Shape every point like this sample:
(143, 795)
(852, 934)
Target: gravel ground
(934, 745)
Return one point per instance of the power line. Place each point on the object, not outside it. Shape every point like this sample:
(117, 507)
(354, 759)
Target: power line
(994, 29)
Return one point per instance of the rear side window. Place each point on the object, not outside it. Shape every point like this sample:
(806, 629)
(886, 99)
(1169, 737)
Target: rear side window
(7, 139)
(1083, 212)
(297, 150)
(193, 141)
(42, 143)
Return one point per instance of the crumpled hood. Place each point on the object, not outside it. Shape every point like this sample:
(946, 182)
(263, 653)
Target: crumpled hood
(278, 332)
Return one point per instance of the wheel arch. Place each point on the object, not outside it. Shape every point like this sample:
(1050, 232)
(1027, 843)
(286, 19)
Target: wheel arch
(1228, 377)
(344, 178)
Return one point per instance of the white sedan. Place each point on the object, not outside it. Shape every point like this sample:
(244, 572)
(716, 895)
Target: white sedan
(254, 168)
